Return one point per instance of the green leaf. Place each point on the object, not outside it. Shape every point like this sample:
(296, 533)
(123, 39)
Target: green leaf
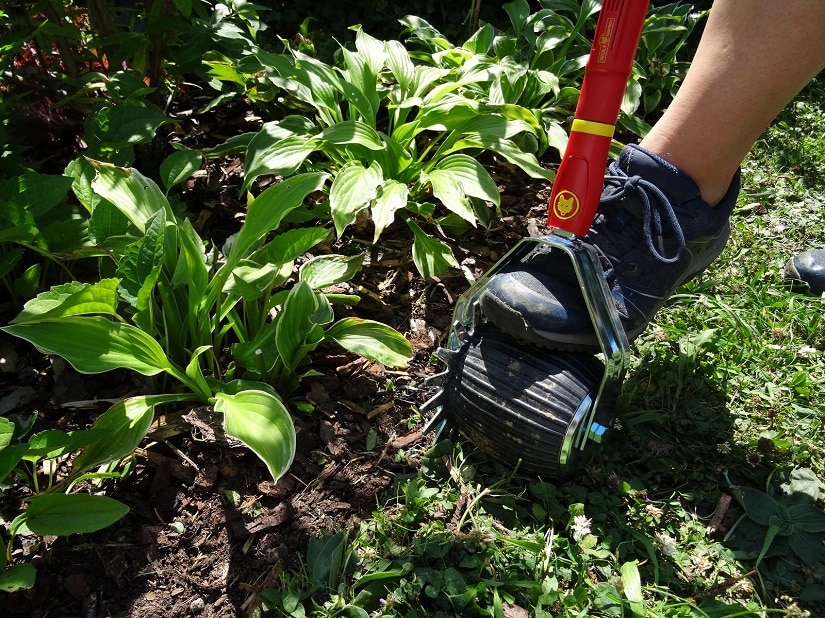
(179, 166)
(275, 157)
(802, 486)
(296, 334)
(6, 432)
(326, 270)
(431, 256)
(53, 443)
(291, 244)
(261, 421)
(65, 514)
(449, 192)
(140, 266)
(392, 197)
(399, 63)
(324, 559)
(527, 162)
(470, 175)
(10, 457)
(73, 298)
(353, 189)
(37, 193)
(251, 281)
(268, 209)
(118, 125)
(19, 577)
(807, 517)
(632, 587)
(135, 195)
(191, 269)
(372, 340)
(352, 132)
(95, 344)
(758, 505)
(121, 428)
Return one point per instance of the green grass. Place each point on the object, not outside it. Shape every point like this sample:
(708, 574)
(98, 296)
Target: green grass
(726, 389)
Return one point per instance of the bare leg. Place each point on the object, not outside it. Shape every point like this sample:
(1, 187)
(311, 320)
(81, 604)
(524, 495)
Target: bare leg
(753, 58)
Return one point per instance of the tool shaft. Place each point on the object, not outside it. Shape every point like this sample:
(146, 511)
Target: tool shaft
(578, 184)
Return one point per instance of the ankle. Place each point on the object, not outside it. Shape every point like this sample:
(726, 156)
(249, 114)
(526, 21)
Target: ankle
(713, 181)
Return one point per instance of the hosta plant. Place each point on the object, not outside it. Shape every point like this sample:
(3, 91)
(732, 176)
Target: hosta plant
(397, 139)
(173, 308)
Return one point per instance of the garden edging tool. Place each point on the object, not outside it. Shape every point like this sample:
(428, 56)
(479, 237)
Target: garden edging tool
(521, 404)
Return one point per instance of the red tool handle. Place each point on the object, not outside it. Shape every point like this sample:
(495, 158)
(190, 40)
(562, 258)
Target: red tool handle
(578, 184)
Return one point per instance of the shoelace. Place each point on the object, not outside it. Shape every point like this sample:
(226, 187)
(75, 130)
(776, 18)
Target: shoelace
(653, 211)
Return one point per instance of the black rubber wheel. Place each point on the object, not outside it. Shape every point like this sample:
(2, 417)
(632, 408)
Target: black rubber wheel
(518, 402)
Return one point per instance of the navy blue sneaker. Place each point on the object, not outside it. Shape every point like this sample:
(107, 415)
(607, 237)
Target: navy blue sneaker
(806, 271)
(653, 232)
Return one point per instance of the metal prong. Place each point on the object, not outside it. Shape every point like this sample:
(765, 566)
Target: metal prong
(438, 423)
(444, 354)
(437, 379)
(432, 402)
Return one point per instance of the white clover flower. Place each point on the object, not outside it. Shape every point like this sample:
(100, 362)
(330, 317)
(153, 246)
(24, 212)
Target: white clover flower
(580, 527)
(654, 511)
(666, 543)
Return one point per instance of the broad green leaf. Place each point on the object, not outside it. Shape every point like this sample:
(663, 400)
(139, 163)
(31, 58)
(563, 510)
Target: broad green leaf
(291, 244)
(803, 486)
(139, 268)
(18, 577)
(135, 195)
(295, 333)
(36, 193)
(324, 559)
(262, 422)
(73, 298)
(449, 192)
(110, 228)
(808, 546)
(6, 432)
(65, 514)
(251, 280)
(807, 517)
(326, 270)
(194, 372)
(470, 175)
(527, 162)
(121, 428)
(399, 63)
(10, 457)
(353, 190)
(179, 166)
(352, 132)
(94, 344)
(431, 256)
(632, 587)
(53, 443)
(191, 269)
(268, 156)
(268, 209)
(392, 197)
(371, 50)
(372, 340)
(236, 144)
(758, 505)
(122, 124)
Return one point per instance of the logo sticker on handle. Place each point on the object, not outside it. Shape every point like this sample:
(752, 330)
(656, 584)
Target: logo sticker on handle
(566, 205)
